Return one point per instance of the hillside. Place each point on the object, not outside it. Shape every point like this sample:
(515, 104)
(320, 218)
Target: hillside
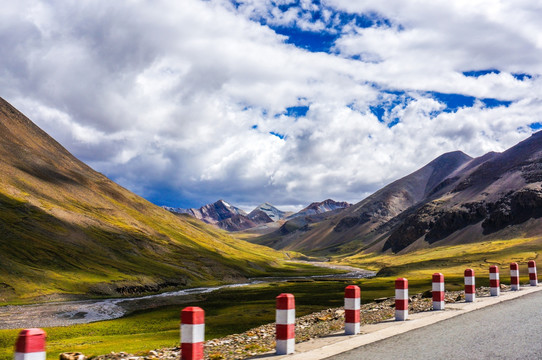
(321, 207)
(351, 229)
(494, 196)
(451, 201)
(271, 211)
(67, 229)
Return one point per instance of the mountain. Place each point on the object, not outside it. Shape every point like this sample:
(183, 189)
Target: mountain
(225, 216)
(320, 208)
(498, 195)
(67, 230)
(352, 228)
(271, 211)
(216, 212)
(241, 222)
(292, 230)
(453, 200)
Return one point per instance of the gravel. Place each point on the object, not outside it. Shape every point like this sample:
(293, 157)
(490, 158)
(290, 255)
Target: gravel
(262, 339)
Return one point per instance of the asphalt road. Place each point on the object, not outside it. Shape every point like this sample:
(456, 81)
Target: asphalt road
(508, 330)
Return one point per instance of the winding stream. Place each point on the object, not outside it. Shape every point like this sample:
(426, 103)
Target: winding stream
(86, 311)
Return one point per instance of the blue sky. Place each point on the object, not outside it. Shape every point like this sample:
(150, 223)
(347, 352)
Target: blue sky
(285, 101)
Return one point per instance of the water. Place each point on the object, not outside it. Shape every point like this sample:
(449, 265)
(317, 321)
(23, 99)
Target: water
(86, 311)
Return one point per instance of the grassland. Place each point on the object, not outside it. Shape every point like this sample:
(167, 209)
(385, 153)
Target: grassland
(453, 260)
(68, 231)
(228, 311)
(235, 310)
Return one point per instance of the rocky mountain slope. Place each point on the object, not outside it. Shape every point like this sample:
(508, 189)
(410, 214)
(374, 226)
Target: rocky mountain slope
(320, 207)
(67, 229)
(271, 211)
(452, 200)
(353, 227)
(497, 195)
(229, 217)
(211, 213)
(241, 222)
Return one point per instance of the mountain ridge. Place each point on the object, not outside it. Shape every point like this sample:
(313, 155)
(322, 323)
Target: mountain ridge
(352, 227)
(69, 230)
(454, 199)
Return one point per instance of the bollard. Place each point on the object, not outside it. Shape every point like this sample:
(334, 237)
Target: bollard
(494, 283)
(533, 278)
(514, 277)
(30, 345)
(285, 327)
(438, 291)
(351, 310)
(192, 333)
(401, 299)
(470, 286)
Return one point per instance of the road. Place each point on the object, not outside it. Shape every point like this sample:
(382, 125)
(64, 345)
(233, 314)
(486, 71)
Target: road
(508, 330)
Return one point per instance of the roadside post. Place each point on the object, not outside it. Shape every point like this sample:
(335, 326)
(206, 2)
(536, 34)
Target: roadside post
(192, 333)
(438, 291)
(401, 299)
(352, 306)
(30, 345)
(470, 286)
(285, 324)
(494, 282)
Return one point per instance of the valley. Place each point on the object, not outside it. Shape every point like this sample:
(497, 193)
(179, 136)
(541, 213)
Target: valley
(86, 311)
(94, 263)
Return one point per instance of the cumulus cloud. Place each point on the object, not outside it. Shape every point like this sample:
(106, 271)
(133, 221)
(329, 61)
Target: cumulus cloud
(188, 102)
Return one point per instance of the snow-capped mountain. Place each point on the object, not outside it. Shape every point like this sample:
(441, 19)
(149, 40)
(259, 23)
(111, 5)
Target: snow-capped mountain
(211, 213)
(271, 211)
(320, 208)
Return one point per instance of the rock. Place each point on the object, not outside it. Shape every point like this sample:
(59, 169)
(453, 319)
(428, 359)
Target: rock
(72, 356)
(382, 299)
(427, 294)
(262, 339)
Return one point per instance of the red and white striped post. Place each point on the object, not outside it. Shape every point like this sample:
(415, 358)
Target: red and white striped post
(470, 286)
(192, 333)
(30, 345)
(494, 282)
(514, 276)
(352, 306)
(438, 291)
(285, 327)
(401, 299)
(533, 278)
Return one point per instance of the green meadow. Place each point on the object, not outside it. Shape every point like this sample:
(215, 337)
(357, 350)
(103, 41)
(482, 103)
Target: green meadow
(453, 260)
(235, 310)
(227, 311)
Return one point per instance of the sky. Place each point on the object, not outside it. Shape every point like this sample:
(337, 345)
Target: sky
(289, 102)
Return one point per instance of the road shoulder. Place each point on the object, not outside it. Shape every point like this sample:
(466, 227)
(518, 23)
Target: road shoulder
(334, 344)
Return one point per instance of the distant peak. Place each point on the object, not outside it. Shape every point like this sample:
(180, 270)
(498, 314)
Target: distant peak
(454, 155)
(225, 203)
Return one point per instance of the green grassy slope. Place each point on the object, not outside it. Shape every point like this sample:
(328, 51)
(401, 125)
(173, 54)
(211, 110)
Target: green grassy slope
(66, 229)
(157, 328)
(453, 260)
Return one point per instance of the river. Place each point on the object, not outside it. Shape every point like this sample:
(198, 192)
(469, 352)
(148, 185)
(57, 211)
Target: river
(86, 311)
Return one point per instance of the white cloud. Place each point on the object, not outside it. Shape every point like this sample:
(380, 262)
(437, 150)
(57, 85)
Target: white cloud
(181, 98)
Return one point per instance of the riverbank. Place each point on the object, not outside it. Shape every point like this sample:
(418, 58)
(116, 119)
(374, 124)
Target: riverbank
(87, 311)
(261, 339)
(227, 311)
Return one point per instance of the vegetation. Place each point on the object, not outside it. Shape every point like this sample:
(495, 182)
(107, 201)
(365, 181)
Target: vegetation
(69, 232)
(228, 311)
(44, 257)
(453, 260)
